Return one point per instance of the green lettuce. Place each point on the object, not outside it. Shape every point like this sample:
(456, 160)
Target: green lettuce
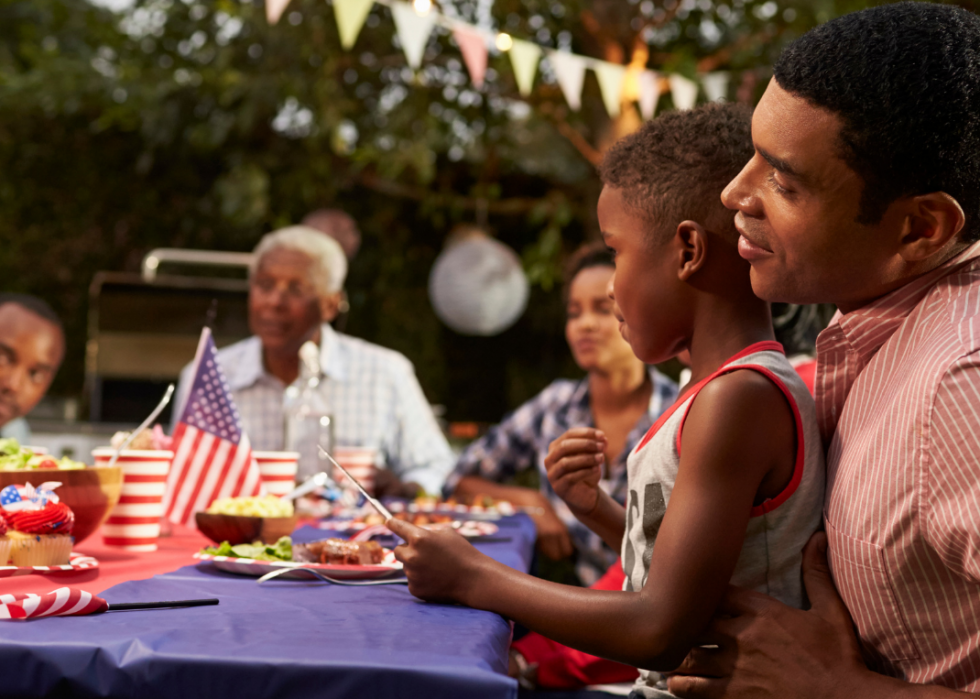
(282, 550)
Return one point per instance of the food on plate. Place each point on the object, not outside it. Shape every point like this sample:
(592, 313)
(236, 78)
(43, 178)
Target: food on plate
(14, 457)
(263, 506)
(340, 552)
(38, 525)
(282, 550)
(332, 551)
(153, 439)
(419, 519)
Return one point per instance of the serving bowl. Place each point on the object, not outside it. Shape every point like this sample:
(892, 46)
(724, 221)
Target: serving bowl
(241, 529)
(91, 492)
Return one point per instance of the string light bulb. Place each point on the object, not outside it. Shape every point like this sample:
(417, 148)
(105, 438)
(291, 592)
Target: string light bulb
(422, 7)
(504, 42)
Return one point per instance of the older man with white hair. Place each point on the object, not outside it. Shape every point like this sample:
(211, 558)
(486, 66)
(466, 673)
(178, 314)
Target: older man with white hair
(295, 290)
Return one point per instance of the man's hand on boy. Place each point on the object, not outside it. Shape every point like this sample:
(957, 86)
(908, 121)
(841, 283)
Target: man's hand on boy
(768, 649)
(440, 565)
(574, 464)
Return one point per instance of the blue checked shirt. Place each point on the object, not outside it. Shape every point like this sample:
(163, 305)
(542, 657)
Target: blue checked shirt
(521, 441)
(372, 392)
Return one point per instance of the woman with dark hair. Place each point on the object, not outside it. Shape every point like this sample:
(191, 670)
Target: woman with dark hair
(619, 395)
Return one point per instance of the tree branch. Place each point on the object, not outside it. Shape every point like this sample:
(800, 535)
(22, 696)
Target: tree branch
(506, 207)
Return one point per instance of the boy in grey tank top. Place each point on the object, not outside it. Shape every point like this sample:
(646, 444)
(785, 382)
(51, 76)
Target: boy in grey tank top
(727, 487)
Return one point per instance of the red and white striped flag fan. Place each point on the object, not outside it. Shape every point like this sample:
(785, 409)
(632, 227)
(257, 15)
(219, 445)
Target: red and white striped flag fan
(67, 601)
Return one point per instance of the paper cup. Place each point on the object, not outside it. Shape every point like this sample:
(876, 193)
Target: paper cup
(360, 462)
(277, 470)
(134, 523)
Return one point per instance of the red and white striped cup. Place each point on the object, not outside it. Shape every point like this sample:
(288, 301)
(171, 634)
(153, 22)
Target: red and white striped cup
(360, 462)
(134, 523)
(277, 470)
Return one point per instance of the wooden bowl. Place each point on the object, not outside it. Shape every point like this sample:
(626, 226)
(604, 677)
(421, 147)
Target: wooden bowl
(239, 529)
(91, 493)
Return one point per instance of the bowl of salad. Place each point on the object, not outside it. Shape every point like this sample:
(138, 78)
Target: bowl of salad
(90, 492)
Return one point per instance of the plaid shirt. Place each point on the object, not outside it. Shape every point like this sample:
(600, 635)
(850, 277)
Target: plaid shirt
(372, 391)
(521, 440)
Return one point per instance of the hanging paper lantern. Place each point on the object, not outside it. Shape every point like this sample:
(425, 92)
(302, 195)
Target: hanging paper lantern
(477, 285)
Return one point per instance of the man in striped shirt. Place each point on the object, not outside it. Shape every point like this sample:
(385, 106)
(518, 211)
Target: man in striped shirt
(865, 191)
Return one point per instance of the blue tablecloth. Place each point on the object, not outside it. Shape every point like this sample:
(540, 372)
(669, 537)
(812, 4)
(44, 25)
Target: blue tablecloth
(279, 639)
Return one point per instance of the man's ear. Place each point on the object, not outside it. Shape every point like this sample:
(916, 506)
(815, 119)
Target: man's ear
(932, 224)
(691, 242)
(330, 306)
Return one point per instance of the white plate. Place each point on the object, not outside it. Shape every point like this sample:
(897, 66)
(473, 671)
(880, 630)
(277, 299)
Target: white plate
(255, 569)
(364, 532)
(76, 562)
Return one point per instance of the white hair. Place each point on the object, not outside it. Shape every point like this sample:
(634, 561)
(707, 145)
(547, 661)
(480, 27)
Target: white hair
(329, 260)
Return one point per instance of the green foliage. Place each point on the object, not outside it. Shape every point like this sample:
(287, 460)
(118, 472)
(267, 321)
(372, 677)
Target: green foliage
(189, 123)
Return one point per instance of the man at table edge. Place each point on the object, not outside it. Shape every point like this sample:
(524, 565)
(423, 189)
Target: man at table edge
(32, 346)
(295, 290)
(865, 191)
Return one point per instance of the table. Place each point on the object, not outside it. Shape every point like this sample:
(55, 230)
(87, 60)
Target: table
(280, 639)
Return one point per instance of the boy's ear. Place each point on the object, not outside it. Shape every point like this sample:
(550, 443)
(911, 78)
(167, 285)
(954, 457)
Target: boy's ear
(692, 246)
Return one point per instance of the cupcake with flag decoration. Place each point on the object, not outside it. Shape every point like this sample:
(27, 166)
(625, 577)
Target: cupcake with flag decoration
(38, 525)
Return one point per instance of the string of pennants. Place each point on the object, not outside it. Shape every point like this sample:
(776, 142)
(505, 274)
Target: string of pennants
(415, 22)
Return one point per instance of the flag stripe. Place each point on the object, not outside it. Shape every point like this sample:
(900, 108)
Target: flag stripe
(65, 601)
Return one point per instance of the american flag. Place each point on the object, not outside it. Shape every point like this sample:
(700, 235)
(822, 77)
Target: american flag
(65, 601)
(212, 455)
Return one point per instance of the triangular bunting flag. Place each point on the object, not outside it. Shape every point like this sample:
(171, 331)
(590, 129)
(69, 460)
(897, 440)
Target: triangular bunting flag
(350, 16)
(715, 85)
(413, 30)
(524, 57)
(570, 72)
(684, 91)
(473, 46)
(274, 9)
(610, 77)
(649, 93)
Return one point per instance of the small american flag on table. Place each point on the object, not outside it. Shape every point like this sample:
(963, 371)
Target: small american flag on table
(212, 455)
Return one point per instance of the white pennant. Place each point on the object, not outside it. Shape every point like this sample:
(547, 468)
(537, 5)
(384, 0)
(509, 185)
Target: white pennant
(350, 15)
(570, 72)
(413, 31)
(524, 57)
(684, 91)
(610, 76)
(649, 93)
(274, 9)
(715, 85)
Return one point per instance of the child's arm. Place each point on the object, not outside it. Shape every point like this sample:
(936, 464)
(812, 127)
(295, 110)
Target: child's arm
(739, 430)
(574, 462)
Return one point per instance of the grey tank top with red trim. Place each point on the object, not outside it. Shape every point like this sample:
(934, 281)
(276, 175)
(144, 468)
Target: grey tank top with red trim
(772, 552)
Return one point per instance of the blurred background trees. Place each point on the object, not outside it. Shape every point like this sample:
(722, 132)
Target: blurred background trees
(190, 123)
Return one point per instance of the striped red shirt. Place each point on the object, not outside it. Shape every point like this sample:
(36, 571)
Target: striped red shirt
(898, 399)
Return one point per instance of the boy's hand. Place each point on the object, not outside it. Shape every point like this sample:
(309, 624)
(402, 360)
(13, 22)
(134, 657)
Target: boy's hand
(439, 565)
(574, 464)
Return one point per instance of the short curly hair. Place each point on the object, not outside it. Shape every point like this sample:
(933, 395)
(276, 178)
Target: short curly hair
(675, 167)
(904, 79)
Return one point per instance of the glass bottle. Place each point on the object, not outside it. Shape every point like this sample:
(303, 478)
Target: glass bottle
(307, 417)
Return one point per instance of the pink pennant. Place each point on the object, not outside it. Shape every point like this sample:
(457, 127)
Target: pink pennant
(473, 46)
(65, 601)
(274, 9)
